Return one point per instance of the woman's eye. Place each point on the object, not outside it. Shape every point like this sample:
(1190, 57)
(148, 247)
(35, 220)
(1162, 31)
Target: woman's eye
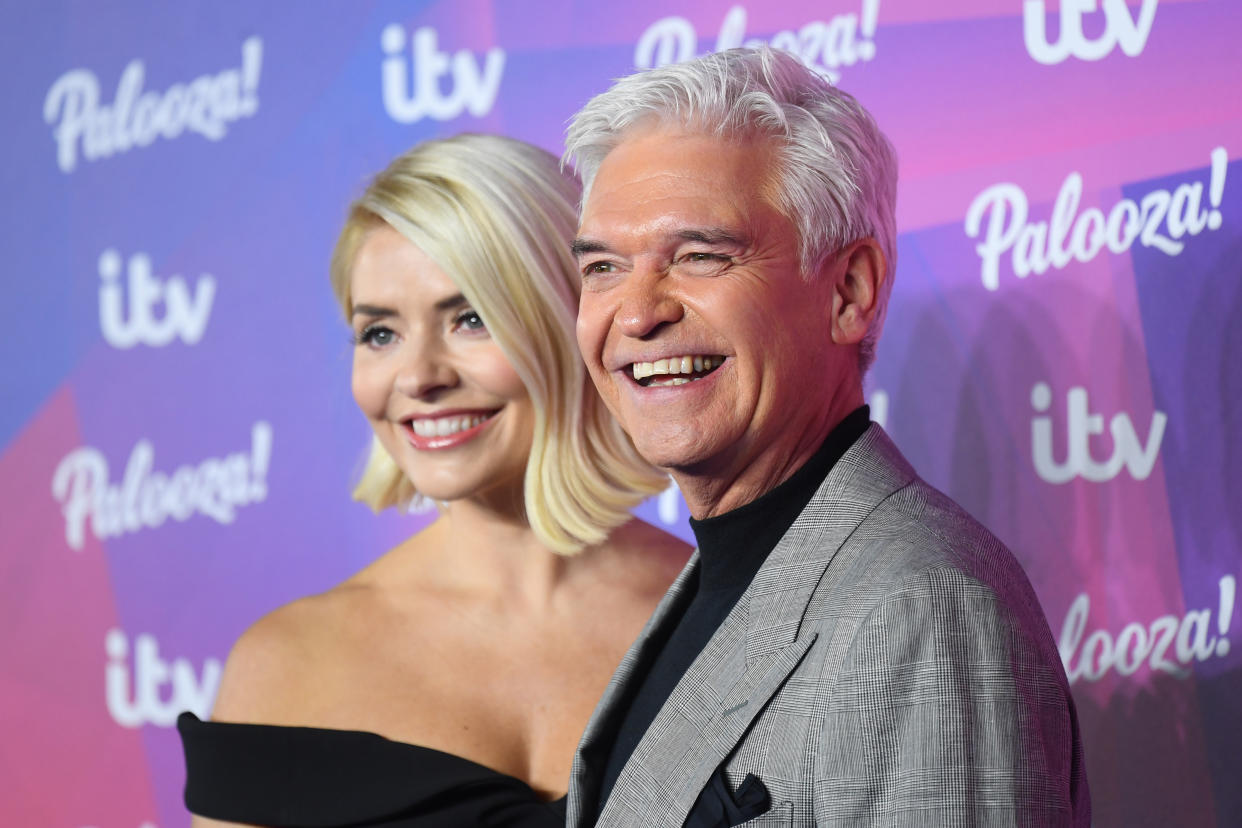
(470, 321)
(375, 336)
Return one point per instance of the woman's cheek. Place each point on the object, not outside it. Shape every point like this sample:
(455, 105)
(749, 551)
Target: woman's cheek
(368, 389)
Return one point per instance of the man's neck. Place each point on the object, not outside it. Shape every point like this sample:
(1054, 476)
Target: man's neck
(723, 484)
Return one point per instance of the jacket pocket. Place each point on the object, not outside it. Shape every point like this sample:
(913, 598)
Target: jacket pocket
(772, 818)
(719, 806)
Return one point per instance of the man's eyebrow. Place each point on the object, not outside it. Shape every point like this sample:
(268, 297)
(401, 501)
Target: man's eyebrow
(581, 247)
(712, 236)
(706, 235)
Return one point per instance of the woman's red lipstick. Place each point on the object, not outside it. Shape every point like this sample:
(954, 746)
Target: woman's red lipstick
(447, 429)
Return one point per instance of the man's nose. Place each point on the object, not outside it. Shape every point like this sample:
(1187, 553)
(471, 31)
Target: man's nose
(647, 303)
(425, 370)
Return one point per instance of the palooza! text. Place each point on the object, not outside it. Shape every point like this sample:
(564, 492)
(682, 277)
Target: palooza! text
(144, 499)
(1160, 219)
(205, 105)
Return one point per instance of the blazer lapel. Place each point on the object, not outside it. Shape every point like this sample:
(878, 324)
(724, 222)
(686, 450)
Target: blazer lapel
(684, 745)
(597, 739)
(751, 655)
(868, 472)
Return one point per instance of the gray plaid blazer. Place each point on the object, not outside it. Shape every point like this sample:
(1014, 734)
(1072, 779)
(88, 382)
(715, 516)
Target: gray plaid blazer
(889, 665)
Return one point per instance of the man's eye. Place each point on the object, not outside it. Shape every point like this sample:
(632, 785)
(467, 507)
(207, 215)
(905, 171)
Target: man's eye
(375, 336)
(703, 257)
(470, 321)
(598, 267)
(703, 262)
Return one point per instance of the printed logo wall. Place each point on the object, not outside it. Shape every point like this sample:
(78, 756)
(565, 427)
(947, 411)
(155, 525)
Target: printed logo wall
(178, 435)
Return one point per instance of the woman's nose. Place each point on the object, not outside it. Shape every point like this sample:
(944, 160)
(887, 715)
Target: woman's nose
(424, 371)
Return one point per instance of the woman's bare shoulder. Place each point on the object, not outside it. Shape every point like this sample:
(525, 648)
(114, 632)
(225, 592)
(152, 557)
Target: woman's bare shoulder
(280, 668)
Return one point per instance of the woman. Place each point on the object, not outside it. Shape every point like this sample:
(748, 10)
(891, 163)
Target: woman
(448, 682)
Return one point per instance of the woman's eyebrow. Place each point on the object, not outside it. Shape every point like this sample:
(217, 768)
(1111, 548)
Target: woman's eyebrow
(450, 302)
(377, 311)
(372, 311)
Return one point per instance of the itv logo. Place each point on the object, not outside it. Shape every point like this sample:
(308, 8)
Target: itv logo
(413, 83)
(1081, 424)
(1120, 29)
(142, 688)
(128, 312)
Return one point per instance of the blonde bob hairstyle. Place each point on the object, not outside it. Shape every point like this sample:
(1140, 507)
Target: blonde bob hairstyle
(497, 216)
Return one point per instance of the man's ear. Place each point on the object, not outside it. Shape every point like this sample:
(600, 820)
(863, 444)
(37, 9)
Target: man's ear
(857, 272)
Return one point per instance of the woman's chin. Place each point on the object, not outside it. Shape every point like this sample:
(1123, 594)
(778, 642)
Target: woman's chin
(486, 490)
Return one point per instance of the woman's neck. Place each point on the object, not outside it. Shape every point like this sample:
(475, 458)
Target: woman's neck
(494, 553)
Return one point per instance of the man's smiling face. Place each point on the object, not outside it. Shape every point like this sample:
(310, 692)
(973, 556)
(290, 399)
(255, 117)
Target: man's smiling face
(696, 323)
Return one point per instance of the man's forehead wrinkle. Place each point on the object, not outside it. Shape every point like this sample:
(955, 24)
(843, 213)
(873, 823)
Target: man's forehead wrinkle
(700, 208)
(654, 183)
(659, 189)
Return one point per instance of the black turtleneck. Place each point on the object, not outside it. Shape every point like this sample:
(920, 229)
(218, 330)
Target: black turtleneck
(732, 547)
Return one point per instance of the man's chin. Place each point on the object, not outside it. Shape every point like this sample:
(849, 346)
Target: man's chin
(663, 456)
(676, 457)
(676, 438)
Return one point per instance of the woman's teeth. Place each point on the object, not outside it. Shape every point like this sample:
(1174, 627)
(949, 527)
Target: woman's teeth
(444, 426)
(679, 370)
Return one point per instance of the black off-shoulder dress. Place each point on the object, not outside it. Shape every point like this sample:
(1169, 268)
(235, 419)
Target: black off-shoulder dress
(316, 778)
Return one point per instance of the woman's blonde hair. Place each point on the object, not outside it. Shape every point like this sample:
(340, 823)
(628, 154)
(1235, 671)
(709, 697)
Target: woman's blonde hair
(497, 215)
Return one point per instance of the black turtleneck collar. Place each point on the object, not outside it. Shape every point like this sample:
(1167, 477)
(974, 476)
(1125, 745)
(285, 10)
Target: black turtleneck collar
(732, 546)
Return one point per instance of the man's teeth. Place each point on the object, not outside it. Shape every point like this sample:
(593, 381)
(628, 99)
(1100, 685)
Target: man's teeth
(444, 426)
(676, 365)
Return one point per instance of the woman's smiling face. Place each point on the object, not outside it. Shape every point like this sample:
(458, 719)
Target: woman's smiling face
(442, 397)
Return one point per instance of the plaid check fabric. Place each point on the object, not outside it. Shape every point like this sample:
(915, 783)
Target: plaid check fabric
(889, 665)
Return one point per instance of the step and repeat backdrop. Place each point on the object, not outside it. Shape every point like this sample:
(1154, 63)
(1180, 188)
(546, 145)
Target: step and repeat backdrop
(1063, 353)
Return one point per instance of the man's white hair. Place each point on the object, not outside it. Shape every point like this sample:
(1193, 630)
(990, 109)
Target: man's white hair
(836, 176)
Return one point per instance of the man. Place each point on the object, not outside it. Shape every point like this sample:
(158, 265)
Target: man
(847, 646)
